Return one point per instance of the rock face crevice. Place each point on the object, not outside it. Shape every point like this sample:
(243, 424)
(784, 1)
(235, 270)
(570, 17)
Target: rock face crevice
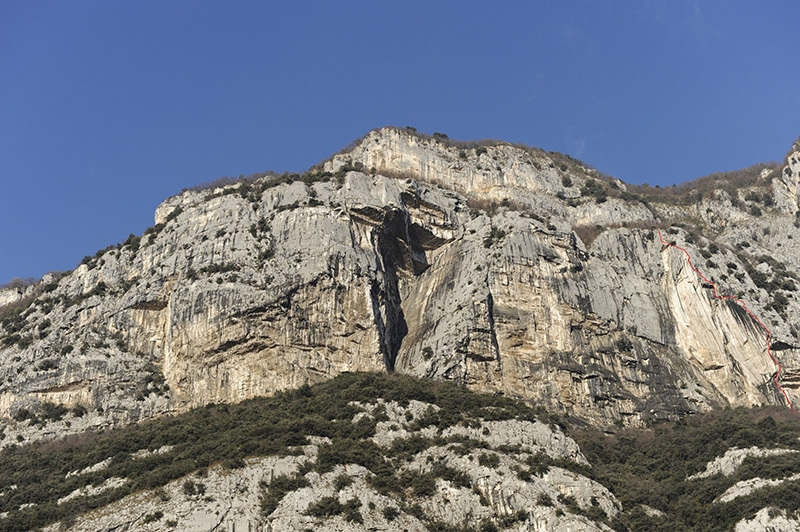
(388, 317)
(433, 264)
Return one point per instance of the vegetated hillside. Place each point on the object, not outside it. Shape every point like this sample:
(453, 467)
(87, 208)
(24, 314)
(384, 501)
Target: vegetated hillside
(651, 469)
(367, 450)
(343, 418)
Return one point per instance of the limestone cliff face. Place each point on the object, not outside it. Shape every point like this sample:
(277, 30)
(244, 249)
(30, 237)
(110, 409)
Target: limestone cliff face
(396, 259)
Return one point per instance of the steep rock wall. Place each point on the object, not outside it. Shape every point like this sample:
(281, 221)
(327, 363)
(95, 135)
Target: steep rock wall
(248, 289)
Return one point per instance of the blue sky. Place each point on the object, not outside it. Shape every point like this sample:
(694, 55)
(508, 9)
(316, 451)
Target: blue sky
(107, 108)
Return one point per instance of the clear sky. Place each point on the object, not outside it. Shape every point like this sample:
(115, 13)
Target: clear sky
(107, 108)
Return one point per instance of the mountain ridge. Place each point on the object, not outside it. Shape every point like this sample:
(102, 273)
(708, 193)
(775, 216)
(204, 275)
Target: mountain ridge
(512, 272)
(392, 205)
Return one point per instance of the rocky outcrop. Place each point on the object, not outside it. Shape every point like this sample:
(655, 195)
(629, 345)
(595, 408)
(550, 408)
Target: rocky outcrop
(770, 519)
(728, 463)
(500, 267)
(786, 188)
(746, 487)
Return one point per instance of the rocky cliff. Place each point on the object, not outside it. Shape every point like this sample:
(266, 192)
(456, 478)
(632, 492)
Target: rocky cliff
(505, 268)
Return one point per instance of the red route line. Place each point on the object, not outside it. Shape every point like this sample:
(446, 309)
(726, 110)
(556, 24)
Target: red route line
(744, 307)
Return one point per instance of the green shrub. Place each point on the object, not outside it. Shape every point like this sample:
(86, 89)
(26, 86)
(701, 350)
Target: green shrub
(52, 411)
(510, 520)
(342, 481)
(570, 502)
(539, 464)
(422, 485)
(752, 196)
(266, 254)
(273, 493)
(489, 460)
(346, 451)
(390, 513)
(325, 507)
(624, 345)
(47, 364)
(445, 472)
(191, 488)
(24, 414)
(260, 228)
(496, 234)
(132, 243)
(155, 516)
(416, 510)
(488, 526)
(330, 506)
(24, 341)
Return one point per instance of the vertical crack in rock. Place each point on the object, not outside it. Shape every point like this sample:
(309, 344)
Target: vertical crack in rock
(388, 318)
(493, 330)
(393, 255)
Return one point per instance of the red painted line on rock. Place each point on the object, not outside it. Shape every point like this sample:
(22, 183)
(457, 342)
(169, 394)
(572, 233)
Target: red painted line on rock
(742, 304)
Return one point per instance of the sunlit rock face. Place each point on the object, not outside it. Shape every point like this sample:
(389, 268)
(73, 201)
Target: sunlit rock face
(495, 266)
